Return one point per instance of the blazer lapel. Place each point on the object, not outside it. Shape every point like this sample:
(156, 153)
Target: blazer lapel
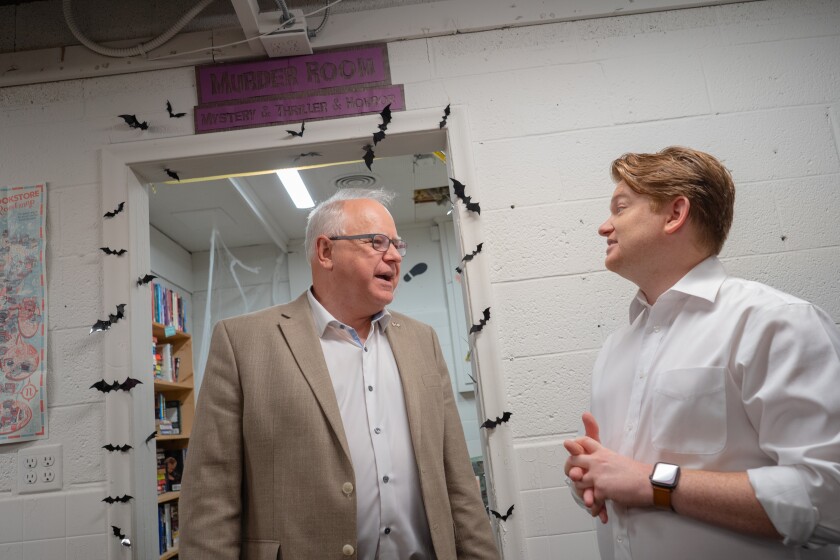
(298, 329)
(407, 355)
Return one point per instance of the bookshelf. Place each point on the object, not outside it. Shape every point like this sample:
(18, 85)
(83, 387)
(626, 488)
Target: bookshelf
(174, 403)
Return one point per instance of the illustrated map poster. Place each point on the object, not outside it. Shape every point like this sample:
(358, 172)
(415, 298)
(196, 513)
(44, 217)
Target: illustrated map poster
(23, 314)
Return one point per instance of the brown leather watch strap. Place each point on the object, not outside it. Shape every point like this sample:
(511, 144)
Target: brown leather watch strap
(662, 497)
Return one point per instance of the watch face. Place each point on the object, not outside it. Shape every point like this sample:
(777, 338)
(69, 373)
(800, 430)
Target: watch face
(665, 474)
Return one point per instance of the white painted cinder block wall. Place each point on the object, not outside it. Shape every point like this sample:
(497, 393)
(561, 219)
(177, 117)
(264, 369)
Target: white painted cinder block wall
(549, 106)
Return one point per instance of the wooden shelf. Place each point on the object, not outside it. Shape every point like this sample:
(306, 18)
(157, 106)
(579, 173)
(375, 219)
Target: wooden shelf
(169, 497)
(181, 391)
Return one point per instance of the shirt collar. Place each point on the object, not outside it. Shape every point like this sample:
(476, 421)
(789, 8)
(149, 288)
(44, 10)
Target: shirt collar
(324, 318)
(703, 281)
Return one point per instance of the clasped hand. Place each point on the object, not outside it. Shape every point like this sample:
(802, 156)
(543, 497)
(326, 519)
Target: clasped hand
(599, 474)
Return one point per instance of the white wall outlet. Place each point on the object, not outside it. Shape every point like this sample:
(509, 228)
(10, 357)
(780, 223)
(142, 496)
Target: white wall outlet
(39, 469)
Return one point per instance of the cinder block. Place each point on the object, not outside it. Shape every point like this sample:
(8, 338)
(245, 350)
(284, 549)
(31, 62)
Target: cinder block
(806, 209)
(539, 465)
(546, 240)
(11, 551)
(776, 20)
(669, 85)
(44, 549)
(410, 61)
(44, 517)
(8, 471)
(756, 228)
(88, 547)
(552, 512)
(580, 546)
(79, 352)
(80, 219)
(81, 429)
(75, 291)
(810, 275)
(775, 74)
(503, 51)
(11, 519)
(86, 513)
(110, 96)
(534, 101)
(561, 314)
(549, 393)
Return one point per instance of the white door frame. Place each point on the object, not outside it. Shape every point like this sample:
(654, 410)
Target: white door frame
(127, 349)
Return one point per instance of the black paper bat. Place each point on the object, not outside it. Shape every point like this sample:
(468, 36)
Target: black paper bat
(481, 322)
(469, 256)
(109, 251)
(132, 121)
(151, 436)
(127, 385)
(445, 116)
(308, 154)
(146, 279)
(111, 447)
(116, 211)
(172, 174)
(122, 499)
(500, 516)
(296, 133)
(120, 314)
(100, 326)
(368, 156)
(378, 137)
(105, 387)
(120, 535)
(171, 114)
(386, 117)
(490, 424)
(460, 192)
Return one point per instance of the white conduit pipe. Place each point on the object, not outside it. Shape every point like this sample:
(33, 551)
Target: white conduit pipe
(136, 50)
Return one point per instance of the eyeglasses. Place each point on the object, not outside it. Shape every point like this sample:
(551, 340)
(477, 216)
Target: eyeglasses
(379, 241)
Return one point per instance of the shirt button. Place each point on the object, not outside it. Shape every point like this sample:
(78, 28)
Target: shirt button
(387, 530)
(370, 387)
(365, 348)
(656, 328)
(377, 430)
(347, 488)
(385, 479)
(618, 540)
(348, 550)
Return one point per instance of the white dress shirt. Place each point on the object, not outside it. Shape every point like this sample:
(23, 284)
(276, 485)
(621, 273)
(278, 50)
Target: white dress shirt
(724, 374)
(391, 519)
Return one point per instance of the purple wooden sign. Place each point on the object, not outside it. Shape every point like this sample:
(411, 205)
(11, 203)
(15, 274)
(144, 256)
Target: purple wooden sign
(278, 76)
(309, 108)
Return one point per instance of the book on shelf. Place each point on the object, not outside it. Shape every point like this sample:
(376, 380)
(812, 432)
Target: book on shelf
(172, 414)
(173, 522)
(174, 468)
(168, 307)
(161, 472)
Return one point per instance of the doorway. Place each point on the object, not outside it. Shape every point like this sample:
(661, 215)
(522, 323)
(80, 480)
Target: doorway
(128, 169)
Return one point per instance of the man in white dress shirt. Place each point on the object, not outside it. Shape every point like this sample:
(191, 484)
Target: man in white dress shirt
(715, 423)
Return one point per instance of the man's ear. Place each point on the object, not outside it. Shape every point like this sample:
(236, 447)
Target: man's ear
(678, 211)
(323, 252)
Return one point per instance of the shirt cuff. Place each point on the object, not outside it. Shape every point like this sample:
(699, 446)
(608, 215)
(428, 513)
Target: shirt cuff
(782, 493)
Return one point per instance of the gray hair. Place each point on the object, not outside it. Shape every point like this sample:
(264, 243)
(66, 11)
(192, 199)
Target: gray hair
(327, 218)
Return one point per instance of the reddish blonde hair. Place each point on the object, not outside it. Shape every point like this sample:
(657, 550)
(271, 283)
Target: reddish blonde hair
(696, 175)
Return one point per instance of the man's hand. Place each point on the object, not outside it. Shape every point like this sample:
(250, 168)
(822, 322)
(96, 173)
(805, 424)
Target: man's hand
(609, 475)
(584, 490)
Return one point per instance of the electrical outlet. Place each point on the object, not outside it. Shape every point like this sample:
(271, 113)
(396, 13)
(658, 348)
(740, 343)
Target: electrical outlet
(39, 469)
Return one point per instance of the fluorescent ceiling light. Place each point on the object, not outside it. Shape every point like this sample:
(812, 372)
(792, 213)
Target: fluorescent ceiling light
(294, 186)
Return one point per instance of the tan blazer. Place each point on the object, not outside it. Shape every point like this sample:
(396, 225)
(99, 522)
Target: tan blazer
(268, 461)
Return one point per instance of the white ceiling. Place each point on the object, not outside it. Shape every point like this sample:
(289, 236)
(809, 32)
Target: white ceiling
(186, 212)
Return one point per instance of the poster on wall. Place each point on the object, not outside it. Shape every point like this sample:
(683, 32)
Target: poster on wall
(23, 314)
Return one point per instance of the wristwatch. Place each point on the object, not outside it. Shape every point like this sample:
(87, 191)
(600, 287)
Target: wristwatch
(664, 479)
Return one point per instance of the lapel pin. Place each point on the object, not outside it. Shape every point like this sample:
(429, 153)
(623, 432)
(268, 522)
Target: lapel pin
(395, 324)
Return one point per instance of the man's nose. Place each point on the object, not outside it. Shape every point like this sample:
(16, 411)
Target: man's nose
(605, 229)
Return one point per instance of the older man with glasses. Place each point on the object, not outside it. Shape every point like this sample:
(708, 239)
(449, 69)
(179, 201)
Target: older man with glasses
(327, 427)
